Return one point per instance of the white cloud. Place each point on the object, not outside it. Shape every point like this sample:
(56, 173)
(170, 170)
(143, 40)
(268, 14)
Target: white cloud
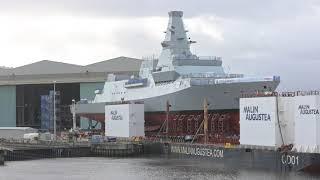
(253, 37)
(206, 25)
(25, 39)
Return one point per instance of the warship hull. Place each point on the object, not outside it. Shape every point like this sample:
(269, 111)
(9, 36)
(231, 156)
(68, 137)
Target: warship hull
(186, 110)
(219, 97)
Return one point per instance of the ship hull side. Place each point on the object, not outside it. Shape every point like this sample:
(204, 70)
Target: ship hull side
(244, 157)
(219, 97)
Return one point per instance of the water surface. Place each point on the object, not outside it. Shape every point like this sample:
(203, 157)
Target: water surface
(133, 169)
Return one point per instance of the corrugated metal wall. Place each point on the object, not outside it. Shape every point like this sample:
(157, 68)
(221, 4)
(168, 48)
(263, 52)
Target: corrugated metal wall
(87, 92)
(7, 106)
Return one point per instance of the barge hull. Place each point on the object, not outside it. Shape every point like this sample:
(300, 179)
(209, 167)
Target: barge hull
(245, 157)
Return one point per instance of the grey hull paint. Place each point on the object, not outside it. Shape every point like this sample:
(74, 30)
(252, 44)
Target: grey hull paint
(220, 97)
(244, 158)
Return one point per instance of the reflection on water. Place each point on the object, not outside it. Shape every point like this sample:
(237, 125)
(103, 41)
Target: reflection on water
(132, 168)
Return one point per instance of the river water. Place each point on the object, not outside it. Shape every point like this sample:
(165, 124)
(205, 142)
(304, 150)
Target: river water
(132, 169)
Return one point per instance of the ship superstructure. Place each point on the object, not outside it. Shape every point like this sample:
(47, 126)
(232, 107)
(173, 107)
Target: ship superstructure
(184, 80)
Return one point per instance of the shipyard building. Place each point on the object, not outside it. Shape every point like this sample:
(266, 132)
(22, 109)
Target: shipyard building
(26, 92)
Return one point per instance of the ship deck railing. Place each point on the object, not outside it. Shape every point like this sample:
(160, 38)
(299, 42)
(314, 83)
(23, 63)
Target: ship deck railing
(183, 57)
(281, 94)
(212, 75)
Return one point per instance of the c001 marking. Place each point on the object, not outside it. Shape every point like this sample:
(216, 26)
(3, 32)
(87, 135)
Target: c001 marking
(290, 160)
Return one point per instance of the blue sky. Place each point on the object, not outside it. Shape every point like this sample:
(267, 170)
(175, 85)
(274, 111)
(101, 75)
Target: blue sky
(253, 37)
